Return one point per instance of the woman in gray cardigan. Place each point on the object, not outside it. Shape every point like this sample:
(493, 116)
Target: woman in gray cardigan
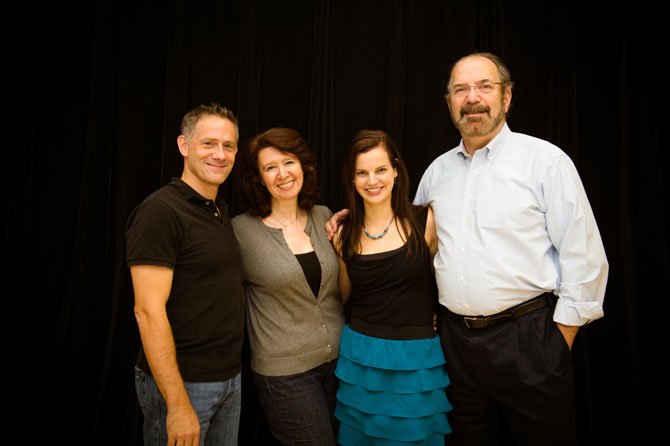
(294, 311)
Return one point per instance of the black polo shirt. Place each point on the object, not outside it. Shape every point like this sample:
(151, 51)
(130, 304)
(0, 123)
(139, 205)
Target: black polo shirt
(178, 228)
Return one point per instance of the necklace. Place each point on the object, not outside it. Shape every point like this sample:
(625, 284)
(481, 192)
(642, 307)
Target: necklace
(377, 237)
(284, 226)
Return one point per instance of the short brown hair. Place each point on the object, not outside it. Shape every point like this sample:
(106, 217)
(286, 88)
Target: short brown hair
(191, 118)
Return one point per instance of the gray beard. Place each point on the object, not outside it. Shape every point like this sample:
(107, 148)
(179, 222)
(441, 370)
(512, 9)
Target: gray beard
(478, 127)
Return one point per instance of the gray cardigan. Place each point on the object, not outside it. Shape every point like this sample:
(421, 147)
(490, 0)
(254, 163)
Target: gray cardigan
(290, 331)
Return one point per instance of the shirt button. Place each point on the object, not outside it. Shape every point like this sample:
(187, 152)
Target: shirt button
(461, 278)
(317, 306)
(462, 249)
(323, 325)
(465, 221)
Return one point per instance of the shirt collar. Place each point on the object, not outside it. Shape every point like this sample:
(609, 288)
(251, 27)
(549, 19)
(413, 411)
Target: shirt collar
(191, 195)
(187, 191)
(497, 143)
(493, 147)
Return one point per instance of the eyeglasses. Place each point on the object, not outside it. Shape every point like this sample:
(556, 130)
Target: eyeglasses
(485, 88)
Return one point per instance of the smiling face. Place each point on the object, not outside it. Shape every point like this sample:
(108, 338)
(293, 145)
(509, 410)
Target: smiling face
(374, 176)
(478, 114)
(281, 173)
(209, 154)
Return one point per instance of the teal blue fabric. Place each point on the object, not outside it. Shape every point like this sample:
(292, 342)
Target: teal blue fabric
(392, 392)
(413, 405)
(397, 381)
(349, 435)
(392, 354)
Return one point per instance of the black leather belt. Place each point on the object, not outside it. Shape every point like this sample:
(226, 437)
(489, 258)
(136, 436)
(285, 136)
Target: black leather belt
(515, 312)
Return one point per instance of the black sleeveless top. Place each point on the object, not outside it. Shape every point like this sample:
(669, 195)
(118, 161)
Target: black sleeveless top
(310, 265)
(393, 296)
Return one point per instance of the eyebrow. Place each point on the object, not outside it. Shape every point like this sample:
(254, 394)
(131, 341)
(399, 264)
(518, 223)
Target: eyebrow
(282, 160)
(214, 138)
(375, 168)
(476, 82)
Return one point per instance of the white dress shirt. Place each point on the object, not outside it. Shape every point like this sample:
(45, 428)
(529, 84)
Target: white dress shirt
(513, 221)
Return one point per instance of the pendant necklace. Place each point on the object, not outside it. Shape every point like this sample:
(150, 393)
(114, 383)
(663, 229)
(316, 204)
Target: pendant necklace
(284, 226)
(377, 237)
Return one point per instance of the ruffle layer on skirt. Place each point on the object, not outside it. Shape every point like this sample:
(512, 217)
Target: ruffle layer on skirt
(391, 354)
(396, 381)
(380, 429)
(391, 391)
(351, 436)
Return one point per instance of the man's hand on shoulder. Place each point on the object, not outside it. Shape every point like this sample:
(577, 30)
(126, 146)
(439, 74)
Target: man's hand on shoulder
(334, 222)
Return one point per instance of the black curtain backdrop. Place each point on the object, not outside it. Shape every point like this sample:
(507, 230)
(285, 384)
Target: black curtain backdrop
(96, 96)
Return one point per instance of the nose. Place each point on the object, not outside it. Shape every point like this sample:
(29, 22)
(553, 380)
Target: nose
(219, 153)
(372, 178)
(281, 172)
(473, 94)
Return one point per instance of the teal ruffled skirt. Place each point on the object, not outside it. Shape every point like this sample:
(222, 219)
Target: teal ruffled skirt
(392, 392)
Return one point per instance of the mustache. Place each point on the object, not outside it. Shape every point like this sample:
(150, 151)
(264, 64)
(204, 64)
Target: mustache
(467, 109)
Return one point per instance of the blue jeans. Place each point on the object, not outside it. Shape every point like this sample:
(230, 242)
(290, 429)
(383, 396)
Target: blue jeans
(300, 408)
(217, 405)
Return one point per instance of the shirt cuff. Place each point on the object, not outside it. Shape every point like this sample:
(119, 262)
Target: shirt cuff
(573, 313)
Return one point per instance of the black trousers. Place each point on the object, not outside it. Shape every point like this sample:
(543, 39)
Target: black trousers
(513, 380)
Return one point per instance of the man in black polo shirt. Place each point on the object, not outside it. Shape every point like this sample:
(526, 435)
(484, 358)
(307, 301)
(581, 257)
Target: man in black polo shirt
(185, 267)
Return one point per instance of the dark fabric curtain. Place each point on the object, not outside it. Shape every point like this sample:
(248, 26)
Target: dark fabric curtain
(96, 96)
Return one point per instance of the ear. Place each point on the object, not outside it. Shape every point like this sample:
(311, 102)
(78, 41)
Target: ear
(182, 144)
(507, 99)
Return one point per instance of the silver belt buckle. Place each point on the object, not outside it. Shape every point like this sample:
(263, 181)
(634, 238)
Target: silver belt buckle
(469, 318)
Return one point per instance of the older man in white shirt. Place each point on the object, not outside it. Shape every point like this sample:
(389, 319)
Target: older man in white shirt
(520, 267)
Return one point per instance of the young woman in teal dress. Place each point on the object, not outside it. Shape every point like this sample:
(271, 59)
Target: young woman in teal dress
(392, 379)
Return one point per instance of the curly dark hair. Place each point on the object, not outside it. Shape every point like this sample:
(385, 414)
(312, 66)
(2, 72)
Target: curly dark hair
(254, 196)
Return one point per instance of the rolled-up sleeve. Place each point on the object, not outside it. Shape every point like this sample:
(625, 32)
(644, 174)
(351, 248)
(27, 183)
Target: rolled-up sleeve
(581, 259)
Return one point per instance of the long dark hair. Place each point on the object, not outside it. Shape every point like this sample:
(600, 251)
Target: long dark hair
(254, 196)
(350, 237)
